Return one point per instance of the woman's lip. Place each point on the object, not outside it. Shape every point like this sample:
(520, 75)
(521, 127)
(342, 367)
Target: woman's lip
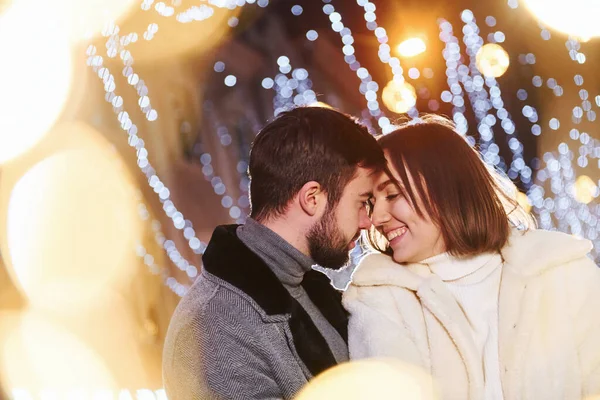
(385, 232)
(397, 239)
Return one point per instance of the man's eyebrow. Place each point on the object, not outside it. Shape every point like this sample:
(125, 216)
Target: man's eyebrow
(383, 185)
(368, 194)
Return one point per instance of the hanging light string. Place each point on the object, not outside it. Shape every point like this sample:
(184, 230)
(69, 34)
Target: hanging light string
(368, 88)
(384, 54)
(285, 86)
(116, 45)
(562, 204)
(454, 75)
(483, 105)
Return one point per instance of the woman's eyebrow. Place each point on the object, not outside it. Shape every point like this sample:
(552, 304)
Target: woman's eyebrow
(383, 185)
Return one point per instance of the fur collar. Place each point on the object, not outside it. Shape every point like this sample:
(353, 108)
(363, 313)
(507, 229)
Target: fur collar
(527, 254)
(230, 260)
(534, 251)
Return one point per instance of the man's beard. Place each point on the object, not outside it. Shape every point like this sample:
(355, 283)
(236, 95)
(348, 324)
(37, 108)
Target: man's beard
(327, 245)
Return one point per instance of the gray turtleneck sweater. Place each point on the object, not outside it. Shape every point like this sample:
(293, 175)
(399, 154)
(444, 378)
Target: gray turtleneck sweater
(290, 265)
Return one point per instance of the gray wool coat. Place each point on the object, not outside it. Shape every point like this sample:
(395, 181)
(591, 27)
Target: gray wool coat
(238, 334)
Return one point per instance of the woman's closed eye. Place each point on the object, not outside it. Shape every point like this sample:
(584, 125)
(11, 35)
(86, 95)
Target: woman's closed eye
(392, 196)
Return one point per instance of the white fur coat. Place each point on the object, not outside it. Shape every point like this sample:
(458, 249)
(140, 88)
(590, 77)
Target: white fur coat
(549, 321)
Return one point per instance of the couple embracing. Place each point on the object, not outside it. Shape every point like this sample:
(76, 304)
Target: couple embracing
(459, 282)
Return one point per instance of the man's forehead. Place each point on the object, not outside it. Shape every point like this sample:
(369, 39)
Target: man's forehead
(368, 173)
(362, 183)
(365, 176)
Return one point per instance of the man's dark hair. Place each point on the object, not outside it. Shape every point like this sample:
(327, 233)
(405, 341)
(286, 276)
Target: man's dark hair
(307, 144)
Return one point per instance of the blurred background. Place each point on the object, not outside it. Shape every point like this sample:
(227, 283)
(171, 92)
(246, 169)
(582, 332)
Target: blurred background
(125, 127)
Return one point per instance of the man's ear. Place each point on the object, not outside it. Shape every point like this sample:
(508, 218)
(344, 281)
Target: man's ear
(312, 198)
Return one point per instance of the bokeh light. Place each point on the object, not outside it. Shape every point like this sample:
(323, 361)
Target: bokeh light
(77, 208)
(35, 74)
(584, 189)
(82, 19)
(411, 47)
(576, 17)
(39, 354)
(524, 201)
(492, 60)
(189, 28)
(371, 379)
(399, 97)
(319, 104)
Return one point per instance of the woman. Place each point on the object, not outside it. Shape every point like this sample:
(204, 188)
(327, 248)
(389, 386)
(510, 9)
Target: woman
(463, 288)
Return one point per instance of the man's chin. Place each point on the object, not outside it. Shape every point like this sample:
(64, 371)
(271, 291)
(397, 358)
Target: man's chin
(338, 264)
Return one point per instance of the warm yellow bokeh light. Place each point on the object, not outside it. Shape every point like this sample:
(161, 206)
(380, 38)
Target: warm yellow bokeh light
(399, 97)
(79, 19)
(77, 209)
(194, 28)
(411, 47)
(370, 379)
(87, 18)
(492, 60)
(523, 201)
(585, 188)
(37, 354)
(319, 104)
(577, 18)
(35, 77)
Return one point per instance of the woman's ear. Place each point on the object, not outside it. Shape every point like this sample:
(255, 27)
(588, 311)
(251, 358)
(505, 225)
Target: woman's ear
(312, 198)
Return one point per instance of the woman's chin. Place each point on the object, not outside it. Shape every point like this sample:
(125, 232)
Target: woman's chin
(400, 257)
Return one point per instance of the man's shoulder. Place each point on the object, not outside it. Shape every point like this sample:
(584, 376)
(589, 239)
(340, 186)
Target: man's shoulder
(212, 299)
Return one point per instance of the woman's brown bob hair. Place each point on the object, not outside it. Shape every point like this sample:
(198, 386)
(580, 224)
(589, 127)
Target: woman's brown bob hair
(473, 205)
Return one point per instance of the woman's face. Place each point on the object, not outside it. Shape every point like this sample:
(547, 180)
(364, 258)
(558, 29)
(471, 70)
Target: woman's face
(412, 238)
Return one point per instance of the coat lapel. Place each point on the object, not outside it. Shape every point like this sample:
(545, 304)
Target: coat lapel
(230, 260)
(328, 300)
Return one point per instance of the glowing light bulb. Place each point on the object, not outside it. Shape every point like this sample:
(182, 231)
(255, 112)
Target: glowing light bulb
(319, 104)
(399, 97)
(35, 77)
(492, 60)
(411, 47)
(584, 189)
(575, 17)
(371, 379)
(87, 200)
(523, 201)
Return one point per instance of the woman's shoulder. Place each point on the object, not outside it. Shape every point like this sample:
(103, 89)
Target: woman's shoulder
(536, 250)
(379, 270)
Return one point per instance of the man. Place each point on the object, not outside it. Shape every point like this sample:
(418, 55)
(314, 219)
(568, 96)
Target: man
(259, 322)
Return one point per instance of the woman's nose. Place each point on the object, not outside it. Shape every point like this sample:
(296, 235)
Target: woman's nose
(379, 216)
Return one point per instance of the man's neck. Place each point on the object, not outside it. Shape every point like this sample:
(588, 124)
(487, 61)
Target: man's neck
(290, 232)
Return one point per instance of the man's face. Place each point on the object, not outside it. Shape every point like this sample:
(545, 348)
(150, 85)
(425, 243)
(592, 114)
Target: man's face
(333, 236)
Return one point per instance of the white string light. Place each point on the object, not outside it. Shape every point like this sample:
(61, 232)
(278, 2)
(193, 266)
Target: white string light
(472, 82)
(561, 209)
(384, 54)
(454, 74)
(368, 88)
(117, 45)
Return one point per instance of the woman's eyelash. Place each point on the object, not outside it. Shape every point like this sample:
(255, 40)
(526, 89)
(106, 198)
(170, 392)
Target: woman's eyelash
(391, 196)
